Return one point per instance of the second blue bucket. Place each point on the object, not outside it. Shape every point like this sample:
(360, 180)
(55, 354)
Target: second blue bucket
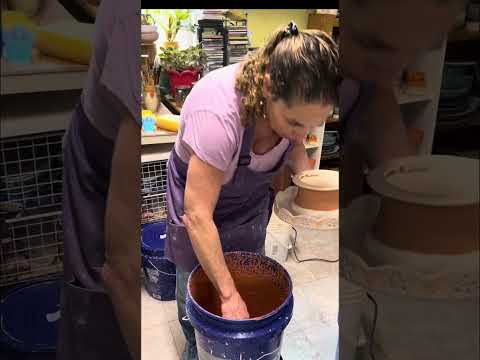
(266, 288)
(160, 274)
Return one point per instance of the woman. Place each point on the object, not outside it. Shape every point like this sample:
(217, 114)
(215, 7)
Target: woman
(378, 40)
(239, 125)
(101, 213)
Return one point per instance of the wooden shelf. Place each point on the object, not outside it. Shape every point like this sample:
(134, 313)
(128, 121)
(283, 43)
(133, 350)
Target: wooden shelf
(333, 119)
(309, 146)
(159, 137)
(44, 75)
(405, 98)
(171, 105)
(463, 35)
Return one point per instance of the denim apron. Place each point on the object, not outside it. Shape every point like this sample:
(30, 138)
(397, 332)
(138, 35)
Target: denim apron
(242, 212)
(88, 326)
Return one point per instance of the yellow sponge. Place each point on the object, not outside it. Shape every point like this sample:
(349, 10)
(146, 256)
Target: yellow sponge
(146, 113)
(66, 40)
(168, 122)
(16, 18)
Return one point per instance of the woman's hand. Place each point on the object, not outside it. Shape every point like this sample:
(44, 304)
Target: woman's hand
(234, 308)
(298, 160)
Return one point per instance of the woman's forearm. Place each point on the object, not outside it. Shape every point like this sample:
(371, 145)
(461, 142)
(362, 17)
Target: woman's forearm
(298, 160)
(206, 243)
(382, 131)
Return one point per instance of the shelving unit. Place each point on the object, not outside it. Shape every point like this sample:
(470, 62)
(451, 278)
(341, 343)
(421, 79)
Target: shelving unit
(31, 165)
(31, 238)
(237, 40)
(218, 34)
(421, 111)
(457, 134)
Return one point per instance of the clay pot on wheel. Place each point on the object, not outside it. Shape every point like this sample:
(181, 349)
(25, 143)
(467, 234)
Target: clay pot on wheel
(317, 191)
(430, 204)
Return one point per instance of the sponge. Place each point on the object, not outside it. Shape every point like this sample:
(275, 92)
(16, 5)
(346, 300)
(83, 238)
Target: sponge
(66, 40)
(168, 122)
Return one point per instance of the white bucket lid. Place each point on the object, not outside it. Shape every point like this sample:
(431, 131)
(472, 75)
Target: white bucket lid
(318, 180)
(437, 180)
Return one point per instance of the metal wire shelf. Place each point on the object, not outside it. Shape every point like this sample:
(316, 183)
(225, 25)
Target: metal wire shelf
(154, 208)
(31, 170)
(33, 249)
(154, 177)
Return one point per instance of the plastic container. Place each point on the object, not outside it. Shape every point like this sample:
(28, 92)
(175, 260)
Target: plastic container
(18, 45)
(266, 288)
(278, 241)
(160, 273)
(149, 124)
(29, 317)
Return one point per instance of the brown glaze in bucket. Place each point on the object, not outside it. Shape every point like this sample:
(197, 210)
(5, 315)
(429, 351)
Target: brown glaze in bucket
(263, 285)
(317, 190)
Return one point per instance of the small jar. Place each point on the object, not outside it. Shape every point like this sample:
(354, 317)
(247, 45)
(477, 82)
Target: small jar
(181, 93)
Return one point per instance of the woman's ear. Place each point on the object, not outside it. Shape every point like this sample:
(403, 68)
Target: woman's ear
(266, 85)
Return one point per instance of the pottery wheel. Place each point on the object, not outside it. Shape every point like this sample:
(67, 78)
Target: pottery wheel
(285, 211)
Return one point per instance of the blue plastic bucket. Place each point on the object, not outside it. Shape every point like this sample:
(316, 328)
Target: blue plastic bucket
(30, 316)
(266, 288)
(160, 274)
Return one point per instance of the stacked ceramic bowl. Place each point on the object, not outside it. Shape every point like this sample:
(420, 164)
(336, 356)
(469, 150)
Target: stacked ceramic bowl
(457, 98)
(330, 147)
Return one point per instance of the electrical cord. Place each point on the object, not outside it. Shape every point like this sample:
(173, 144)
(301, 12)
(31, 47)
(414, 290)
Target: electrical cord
(311, 259)
(374, 325)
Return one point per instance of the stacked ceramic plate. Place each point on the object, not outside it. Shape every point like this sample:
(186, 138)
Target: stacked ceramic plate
(457, 99)
(330, 147)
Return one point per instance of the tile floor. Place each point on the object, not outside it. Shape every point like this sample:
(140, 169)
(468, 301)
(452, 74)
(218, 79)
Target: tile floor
(311, 334)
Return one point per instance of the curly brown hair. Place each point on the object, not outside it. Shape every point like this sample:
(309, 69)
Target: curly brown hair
(303, 66)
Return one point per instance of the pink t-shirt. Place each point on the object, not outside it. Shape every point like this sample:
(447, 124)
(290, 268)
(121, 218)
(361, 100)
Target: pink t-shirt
(210, 126)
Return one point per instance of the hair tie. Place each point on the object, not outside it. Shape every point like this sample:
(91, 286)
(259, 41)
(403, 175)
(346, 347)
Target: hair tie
(291, 29)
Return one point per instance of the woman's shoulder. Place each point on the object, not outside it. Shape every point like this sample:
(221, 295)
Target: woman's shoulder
(215, 93)
(121, 8)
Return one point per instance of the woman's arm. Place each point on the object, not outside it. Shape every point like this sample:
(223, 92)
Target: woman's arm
(382, 131)
(121, 272)
(201, 194)
(298, 160)
(380, 135)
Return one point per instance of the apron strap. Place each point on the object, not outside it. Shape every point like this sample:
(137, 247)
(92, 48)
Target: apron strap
(244, 159)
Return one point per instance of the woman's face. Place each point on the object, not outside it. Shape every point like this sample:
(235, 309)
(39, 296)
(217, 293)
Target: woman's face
(379, 38)
(295, 121)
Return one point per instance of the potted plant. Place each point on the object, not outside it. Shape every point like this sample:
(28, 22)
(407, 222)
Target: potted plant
(183, 67)
(175, 21)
